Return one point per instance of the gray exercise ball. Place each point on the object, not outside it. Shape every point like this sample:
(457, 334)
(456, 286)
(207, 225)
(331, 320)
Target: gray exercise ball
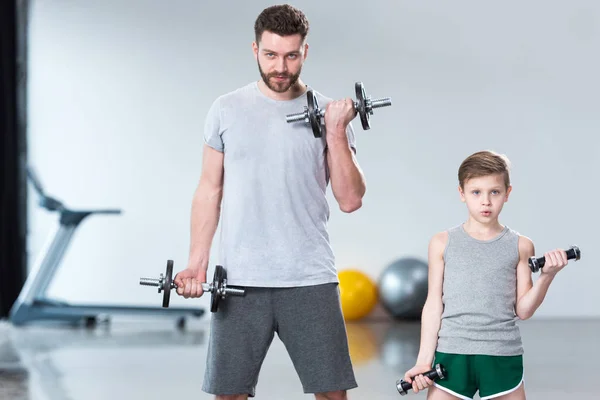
(403, 288)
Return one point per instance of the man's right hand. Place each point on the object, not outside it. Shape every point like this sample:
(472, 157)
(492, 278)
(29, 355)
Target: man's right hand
(189, 282)
(415, 376)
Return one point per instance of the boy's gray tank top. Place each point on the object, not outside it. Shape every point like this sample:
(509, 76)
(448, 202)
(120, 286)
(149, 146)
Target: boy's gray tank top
(479, 295)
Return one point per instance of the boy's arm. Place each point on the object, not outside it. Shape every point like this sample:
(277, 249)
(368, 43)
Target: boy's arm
(206, 209)
(530, 296)
(433, 308)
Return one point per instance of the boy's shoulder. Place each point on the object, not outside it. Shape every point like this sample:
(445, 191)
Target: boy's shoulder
(526, 245)
(439, 239)
(522, 238)
(444, 234)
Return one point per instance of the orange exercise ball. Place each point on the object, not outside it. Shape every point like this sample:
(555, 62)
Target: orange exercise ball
(358, 294)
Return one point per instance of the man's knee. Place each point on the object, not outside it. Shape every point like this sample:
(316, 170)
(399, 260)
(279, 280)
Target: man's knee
(338, 395)
(232, 397)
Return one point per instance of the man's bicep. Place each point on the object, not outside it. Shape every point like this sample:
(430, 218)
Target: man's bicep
(212, 169)
(213, 127)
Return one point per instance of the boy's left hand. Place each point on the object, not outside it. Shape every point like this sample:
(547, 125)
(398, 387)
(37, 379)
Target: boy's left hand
(555, 260)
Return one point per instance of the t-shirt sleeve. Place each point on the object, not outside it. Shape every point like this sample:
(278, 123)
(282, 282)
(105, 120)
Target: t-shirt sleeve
(351, 136)
(212, 127)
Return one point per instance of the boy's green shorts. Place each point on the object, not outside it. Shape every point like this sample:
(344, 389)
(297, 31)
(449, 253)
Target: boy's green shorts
(493, 376)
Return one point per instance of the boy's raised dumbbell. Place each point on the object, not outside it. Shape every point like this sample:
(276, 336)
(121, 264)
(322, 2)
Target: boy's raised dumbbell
(536, 263)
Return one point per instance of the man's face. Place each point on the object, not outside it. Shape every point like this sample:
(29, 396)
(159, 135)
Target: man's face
(280, 60)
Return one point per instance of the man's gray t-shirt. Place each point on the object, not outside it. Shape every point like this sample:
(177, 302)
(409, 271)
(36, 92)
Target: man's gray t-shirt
(274, 211)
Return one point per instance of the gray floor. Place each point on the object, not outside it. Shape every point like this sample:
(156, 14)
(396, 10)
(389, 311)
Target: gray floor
(151, 359)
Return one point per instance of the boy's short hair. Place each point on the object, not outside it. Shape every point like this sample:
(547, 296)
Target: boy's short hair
(484, 163)
(283, 20)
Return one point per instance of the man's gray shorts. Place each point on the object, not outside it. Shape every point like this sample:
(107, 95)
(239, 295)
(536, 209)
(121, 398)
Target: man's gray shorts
(309, 322)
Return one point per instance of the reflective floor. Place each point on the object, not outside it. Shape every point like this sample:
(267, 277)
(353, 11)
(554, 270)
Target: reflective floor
(152, 359)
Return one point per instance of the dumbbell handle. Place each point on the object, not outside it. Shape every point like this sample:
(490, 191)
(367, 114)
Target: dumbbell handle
(437, 372)
(376, 103)
(207, 287)
(227, 290)
(536, 263)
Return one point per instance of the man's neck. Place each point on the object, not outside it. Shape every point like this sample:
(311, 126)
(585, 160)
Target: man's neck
(296, 90)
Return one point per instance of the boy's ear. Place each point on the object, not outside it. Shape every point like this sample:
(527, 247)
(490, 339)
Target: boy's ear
(508, 190)
(461, 193)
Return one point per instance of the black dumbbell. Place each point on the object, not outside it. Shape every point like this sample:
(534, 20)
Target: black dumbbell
(218, 287)
(363, 105)
(535, 264)
(437, 372)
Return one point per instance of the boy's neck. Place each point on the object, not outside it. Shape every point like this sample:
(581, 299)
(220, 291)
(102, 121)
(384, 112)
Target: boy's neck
(483, 231)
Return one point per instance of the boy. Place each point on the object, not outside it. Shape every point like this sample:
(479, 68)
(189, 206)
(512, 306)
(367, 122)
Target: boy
(480, 284)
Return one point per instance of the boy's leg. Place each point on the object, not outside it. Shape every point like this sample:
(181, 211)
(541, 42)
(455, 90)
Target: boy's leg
(500, 377)
(434, 393)
(518, 394)
(311, 326)
(460, 382)
(241, 332)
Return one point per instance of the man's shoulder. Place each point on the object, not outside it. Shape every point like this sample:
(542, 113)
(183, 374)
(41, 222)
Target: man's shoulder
(321, 98)
(236, 94)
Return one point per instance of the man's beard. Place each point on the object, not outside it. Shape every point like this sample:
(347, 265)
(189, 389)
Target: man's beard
(279, 87)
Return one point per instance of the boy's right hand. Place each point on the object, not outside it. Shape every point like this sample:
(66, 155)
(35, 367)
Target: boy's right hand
(189, 282)
(419, 382)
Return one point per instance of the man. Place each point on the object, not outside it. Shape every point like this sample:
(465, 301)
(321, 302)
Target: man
(267, 179)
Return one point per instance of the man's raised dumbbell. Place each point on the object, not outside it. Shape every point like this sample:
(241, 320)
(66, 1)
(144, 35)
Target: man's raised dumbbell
(437, 372)
(363, 106)
(536, 263)
(218, 287)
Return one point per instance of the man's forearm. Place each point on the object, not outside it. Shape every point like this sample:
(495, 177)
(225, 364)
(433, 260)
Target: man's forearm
(205, 213)
(347, 180)
(531, 301)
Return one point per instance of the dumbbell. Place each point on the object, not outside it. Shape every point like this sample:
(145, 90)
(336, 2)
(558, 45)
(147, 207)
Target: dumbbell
(218, 287)
(437, 372)
(535, 264)
(363, 106)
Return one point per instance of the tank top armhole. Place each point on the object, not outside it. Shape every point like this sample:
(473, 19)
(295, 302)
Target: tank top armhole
(447, 245)
(517, 247)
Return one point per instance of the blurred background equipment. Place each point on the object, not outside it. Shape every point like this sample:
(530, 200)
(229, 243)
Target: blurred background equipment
(403, 287)
(32, 303)
(358, 294)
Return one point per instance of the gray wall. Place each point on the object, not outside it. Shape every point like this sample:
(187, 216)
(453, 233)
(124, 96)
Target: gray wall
(119, 91)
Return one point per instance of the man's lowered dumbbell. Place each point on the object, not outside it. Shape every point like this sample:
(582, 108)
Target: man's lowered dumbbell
(536, 263)
(314, 115)
(218, 287)
(437, 372)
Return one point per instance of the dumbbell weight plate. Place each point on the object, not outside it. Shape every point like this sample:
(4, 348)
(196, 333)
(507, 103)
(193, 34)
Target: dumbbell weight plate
(217, 281)
(361, 97)
(167, 284)
(313, 113)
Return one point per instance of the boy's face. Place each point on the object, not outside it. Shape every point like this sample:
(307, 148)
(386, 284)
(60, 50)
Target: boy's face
(485, 196)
